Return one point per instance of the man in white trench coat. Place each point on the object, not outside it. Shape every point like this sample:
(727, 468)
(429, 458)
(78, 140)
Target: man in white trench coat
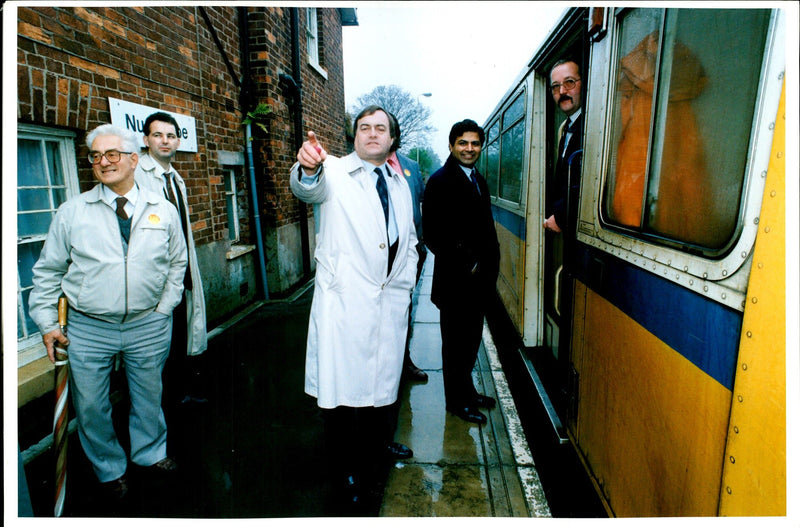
(366, 269)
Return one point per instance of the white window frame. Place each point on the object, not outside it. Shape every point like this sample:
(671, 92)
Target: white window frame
(30, 347)
(312, 40)
(232, 205)
(723, 280)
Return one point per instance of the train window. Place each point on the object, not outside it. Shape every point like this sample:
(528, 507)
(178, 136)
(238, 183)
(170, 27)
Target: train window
(514, 112)
(511, 151)
(491, 157)
(686, 86)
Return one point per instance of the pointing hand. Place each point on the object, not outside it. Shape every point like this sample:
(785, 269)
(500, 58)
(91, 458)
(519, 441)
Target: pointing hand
(311, 155)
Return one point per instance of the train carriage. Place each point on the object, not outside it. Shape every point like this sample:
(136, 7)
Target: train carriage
(658, 343)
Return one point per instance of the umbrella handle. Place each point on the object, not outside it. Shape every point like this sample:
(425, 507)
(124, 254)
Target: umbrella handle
(61, 353)
(62, 313)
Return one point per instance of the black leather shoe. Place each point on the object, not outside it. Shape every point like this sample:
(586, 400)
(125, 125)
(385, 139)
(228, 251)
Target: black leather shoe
(166, 465)
(414, 374)
(399, 451)
(468, 413)
(484, 401)
(352, 501)
(116, 489)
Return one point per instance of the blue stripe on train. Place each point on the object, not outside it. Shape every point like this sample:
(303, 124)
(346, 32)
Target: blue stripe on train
(511, 221)
(703, 331)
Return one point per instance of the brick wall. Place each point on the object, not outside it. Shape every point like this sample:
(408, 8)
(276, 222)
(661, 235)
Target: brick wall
(323, 101)
(72, 59)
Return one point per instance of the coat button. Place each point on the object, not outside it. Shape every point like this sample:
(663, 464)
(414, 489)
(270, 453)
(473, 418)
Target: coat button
(383, 246)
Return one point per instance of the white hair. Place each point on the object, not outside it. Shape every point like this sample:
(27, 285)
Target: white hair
(127, 138)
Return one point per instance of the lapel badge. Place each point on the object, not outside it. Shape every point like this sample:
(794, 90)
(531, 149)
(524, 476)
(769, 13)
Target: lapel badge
(154, 219)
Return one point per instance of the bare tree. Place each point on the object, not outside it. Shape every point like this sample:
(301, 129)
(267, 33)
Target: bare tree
(412, 115)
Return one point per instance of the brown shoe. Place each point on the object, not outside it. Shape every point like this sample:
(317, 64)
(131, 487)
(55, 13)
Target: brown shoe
(116, 489)
(166, 465)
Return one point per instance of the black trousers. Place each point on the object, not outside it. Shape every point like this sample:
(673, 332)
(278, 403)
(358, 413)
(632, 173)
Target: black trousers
(356, 440)
(461, 325)
(174, 377)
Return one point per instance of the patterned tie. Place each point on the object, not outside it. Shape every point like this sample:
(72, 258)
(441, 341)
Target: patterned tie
(383, 193)
(121, 208)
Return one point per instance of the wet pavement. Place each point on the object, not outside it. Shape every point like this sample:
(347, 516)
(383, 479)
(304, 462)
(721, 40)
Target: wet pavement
(255, 449)
(458, 468)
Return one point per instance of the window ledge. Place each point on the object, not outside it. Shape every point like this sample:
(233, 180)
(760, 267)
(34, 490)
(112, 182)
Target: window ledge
(34, 380)
(239, 250)
(318, 69)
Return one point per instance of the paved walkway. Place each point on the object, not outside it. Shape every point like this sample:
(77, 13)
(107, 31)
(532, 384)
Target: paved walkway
(459, 468)
(256, 449)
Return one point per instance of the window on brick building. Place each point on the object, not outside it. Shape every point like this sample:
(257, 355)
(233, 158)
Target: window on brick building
(47, 175)
(314, 41)
(231, 204)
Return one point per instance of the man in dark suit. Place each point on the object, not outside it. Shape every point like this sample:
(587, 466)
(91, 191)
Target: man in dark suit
(459, 231)
(409, 169)
(565, 86)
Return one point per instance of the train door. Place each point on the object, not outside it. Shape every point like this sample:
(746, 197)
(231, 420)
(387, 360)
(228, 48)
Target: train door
(552, 359)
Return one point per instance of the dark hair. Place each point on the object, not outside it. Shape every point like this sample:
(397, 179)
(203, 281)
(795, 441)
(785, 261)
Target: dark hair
(159, 116)
(394, 128)
(567, 60)
(394, 124)
(467, 125)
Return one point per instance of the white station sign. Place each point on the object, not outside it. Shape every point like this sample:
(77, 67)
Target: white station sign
(132, 116)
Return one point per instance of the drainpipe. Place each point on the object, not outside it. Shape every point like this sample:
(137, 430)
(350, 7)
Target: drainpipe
(246, 103)
(294, 84)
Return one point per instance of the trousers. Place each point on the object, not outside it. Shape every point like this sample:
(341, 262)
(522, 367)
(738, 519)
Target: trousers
(143, 346)
(461, 325)
(356, 440)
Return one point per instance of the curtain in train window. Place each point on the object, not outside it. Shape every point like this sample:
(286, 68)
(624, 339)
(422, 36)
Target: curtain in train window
(512, 150)
(687, 82)
(491, 157)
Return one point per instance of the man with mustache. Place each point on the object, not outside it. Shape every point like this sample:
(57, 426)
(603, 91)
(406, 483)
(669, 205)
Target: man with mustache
(565, 85)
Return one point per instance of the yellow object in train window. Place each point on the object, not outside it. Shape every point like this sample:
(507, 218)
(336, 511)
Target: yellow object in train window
(683, 111)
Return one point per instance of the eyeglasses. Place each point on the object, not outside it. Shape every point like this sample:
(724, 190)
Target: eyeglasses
(111, 155)
(568, 85)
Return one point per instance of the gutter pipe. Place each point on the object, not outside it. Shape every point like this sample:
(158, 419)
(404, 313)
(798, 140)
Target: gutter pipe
(245, 102)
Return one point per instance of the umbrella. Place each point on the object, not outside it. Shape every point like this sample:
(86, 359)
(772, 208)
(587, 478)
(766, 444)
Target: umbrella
(60, 421)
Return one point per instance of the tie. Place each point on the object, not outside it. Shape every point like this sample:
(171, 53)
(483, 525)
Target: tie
(170, 194)
(383, 193)
(121, 208)
(475, 181)
(562, 144)
(178, 203)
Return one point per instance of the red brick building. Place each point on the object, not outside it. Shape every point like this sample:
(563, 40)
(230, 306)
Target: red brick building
(212, 64)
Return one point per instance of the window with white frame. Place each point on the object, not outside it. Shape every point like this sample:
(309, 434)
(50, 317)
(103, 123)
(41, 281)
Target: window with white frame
(687, 83)
(47, 175)
(314, 41)
(232, 205)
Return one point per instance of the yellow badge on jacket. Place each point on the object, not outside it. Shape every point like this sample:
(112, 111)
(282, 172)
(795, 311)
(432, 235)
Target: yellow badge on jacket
(407, 172)
(154, 219)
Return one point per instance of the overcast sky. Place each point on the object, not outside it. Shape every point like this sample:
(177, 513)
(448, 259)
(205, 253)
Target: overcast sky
(466, 54)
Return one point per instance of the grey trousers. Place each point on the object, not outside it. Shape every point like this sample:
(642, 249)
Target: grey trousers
(144, 346)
